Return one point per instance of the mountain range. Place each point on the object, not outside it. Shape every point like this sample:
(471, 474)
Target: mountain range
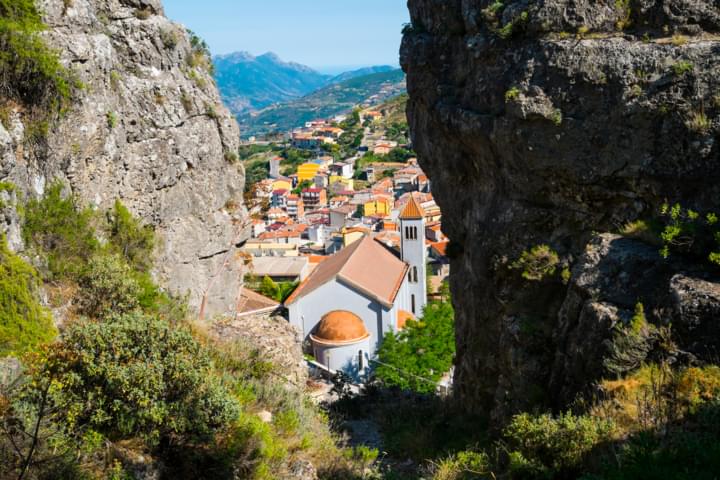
(250, 83)
(334, 99)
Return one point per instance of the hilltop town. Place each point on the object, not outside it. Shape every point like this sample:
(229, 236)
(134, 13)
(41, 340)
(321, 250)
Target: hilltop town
(334, 191)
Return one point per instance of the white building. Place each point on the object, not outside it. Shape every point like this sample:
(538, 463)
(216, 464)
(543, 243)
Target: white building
(351, 300)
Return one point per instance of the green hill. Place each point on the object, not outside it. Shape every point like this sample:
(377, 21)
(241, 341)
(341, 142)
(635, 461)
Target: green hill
(326, 102)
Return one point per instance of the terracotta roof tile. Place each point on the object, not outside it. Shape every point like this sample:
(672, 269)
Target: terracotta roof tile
(412, 211)
(364, 265)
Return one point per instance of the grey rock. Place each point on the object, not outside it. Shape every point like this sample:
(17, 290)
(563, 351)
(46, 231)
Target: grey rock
(509, 176)
(165, 156)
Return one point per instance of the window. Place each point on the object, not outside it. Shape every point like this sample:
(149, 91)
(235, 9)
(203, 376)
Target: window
(414, 270)
(412, 303)
(411, 233)
(361, 361)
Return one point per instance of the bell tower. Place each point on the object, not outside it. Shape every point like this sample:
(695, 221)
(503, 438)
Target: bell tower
(414, 252)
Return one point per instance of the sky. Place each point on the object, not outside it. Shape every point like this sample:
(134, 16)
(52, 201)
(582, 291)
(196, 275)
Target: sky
(329, 35)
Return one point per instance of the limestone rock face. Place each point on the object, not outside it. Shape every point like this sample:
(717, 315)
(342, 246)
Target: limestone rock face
(542, 123)
(149, 129)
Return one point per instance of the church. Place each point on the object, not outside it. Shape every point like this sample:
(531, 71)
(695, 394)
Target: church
(352, 299)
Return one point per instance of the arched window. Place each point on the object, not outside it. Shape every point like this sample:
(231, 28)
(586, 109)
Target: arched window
(412, 303)
(414, 275)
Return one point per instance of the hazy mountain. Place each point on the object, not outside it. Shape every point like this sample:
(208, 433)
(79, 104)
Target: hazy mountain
(361, 72)
(328, 101)
(247, 82)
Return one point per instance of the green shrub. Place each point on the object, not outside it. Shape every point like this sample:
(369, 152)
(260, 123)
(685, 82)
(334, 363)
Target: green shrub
(130, 238)
(61, 230)
(278, 291)
(686, 231)
(112, 120)
(24, 323)
(107, 287)
(136, 376)
(682, 67)
(554, 445)
(465, 465)
(422, 352)
(30, 72)
(512, 94)
(537, 263)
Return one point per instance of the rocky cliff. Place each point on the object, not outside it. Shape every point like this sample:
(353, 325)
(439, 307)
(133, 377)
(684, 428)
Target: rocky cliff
(148, 128)
(550, 123)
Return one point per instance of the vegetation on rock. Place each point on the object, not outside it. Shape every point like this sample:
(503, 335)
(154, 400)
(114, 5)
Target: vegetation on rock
(24, 323)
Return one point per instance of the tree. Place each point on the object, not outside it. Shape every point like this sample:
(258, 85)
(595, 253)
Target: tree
(421, 353)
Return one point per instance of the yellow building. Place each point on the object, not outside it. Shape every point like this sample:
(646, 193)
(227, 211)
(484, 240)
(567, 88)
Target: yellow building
(376, 206)
(348, 182)
(281, 184)
(352, 235)
(307, 171)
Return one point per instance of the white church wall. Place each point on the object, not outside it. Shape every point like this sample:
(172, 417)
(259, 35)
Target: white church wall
(344, 357)
(308, 310)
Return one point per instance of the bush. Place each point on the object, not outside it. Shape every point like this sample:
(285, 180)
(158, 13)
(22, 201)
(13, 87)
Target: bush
(24, 323)
(537, 263)
(30, 72)
(554, 445)
(465, 465)
(108, 287)
(129, 238)
(136, 376)
(421, 353)
(58, 228)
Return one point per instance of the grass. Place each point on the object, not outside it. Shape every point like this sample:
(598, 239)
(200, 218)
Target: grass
(698, 122)
(682, 67)
(30, 71)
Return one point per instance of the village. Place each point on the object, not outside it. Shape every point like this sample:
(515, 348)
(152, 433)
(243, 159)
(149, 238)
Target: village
(350, 245)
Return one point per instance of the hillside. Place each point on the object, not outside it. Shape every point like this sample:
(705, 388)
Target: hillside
(247, 82)
(324, 103)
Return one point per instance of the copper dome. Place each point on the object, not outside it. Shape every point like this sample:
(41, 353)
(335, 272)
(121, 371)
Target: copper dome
(340, 326)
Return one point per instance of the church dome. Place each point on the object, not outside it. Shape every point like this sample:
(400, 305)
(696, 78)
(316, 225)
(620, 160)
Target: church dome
(340, 326)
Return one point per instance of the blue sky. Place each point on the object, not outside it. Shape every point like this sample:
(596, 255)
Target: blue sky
(326, 34)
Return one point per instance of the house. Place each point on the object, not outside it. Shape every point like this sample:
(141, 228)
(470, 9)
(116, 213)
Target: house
(314, 198)
(338, 201)
(351, 235)
(252, 303)
(382, 148)
(305, 141)
(320, 180)
(276, 213)
(433, 232)
(371, 115)
(378, 205)
(340, 216)
(279, 198)
(258, 227)
(295, 206)
(260, 248)
(341, 169)
(281, 269)
(353, 299)
(282, 183)
(341, 183)
(307, 171)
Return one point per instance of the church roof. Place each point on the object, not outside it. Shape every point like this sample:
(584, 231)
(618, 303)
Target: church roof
(365, 266)
(340, 327)
(412, 211)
